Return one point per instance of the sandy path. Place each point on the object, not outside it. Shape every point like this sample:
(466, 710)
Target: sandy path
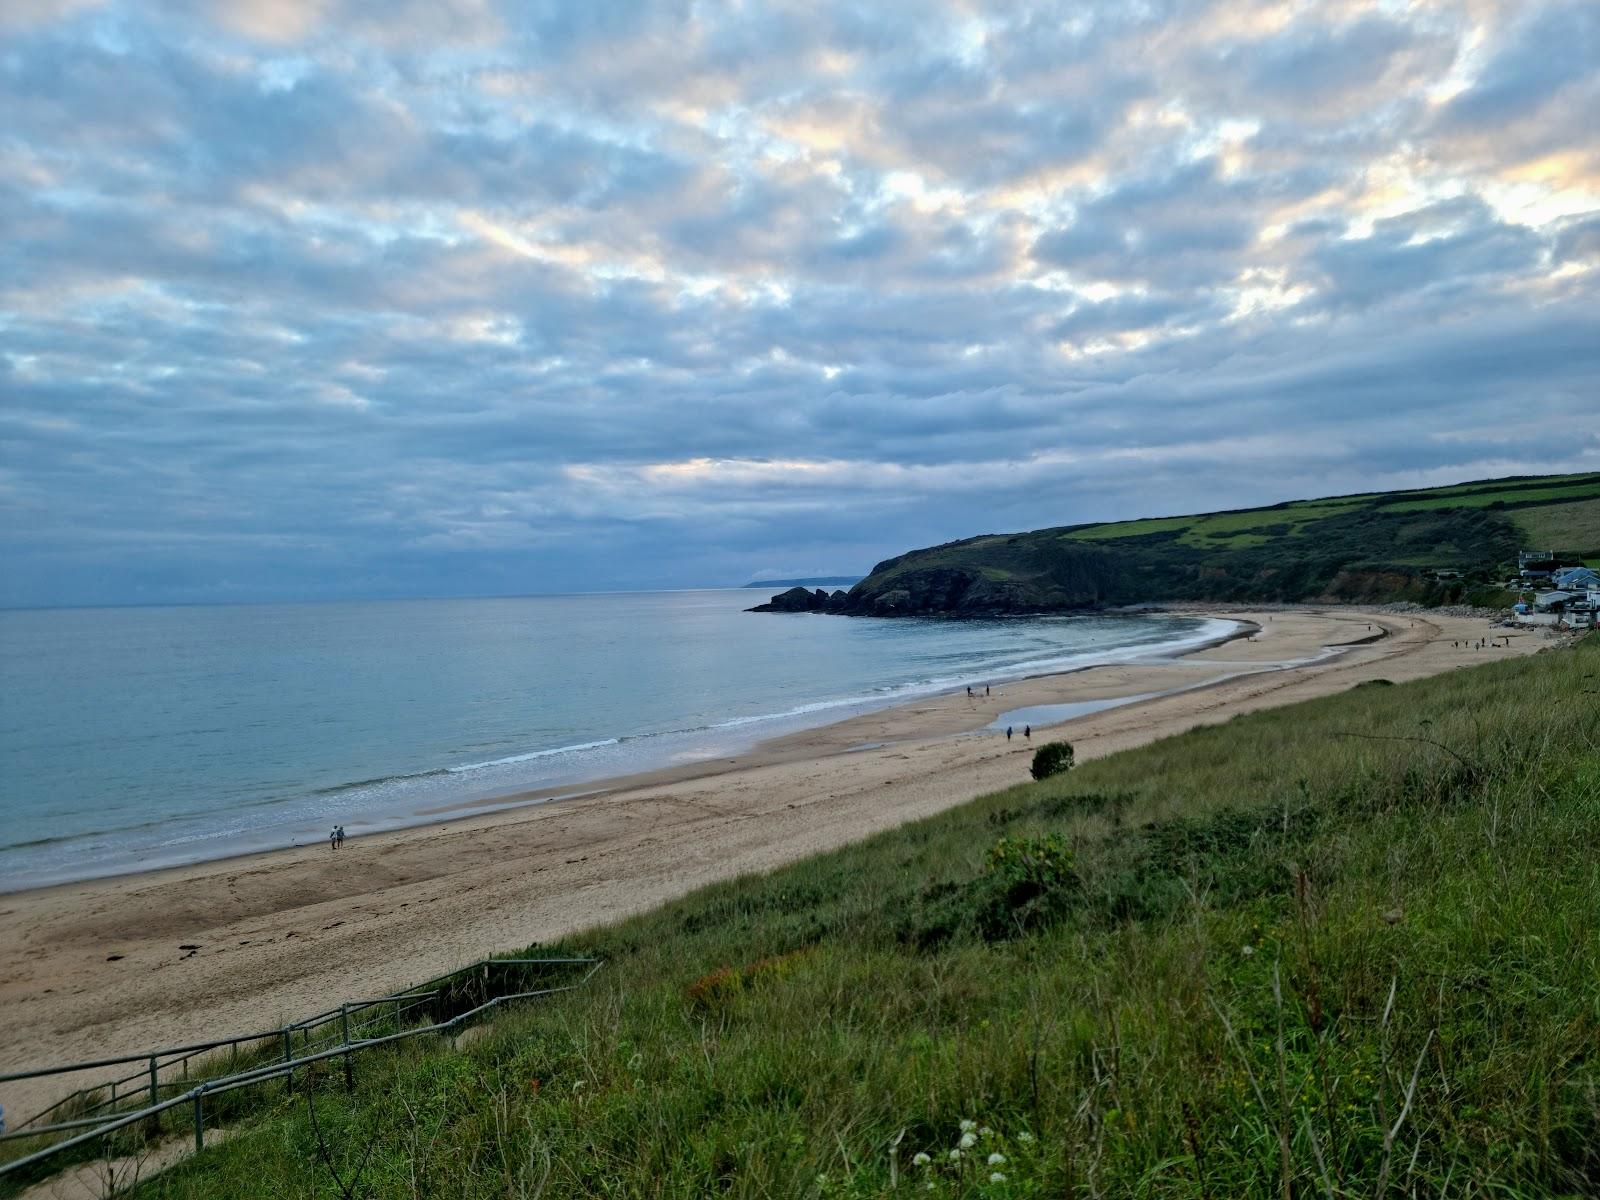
(291, 932)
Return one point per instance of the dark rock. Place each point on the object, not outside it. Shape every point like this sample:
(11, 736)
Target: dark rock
(796, 599)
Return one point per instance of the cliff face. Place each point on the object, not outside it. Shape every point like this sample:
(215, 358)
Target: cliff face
(927, 582)
(1363, 548)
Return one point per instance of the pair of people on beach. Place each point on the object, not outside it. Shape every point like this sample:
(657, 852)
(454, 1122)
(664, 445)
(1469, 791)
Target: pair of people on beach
(336, 838)
(1027, 732)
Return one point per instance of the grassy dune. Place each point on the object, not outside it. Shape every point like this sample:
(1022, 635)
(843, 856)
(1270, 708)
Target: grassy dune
(1347, 948)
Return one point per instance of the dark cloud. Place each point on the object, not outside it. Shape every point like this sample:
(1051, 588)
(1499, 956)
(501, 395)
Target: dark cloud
(1578, 241)
(1187, 225)
(1456, 246)
(1316, 76)
(1553, 48)
(1324, 64)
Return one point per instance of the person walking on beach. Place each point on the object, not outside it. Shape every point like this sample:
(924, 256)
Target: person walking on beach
(1027, 732)
(333, 838)
(1008, 733)
(339, 829)
(986, 691)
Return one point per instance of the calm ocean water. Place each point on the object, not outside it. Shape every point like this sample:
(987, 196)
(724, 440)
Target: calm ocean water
(139, 737)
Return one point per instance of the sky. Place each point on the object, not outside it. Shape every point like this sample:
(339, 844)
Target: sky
(310, 299)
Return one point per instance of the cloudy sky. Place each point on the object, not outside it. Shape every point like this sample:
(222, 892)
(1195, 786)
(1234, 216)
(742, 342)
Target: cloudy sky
(313, 298)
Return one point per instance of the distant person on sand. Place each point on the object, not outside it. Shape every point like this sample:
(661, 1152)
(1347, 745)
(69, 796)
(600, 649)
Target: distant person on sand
(333, 838)
(1027, 732)
(339, 829)
(1008, 733)
(986, 689)
(969, 691)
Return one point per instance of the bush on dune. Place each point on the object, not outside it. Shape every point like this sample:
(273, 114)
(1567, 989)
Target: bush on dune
(1052, 758)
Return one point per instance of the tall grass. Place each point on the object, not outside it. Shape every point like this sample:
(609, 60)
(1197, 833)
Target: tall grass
(1342, 949)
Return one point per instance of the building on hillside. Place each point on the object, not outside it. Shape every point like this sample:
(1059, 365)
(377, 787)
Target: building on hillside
(1581, 614)
(1535, 565)
(1576, 579)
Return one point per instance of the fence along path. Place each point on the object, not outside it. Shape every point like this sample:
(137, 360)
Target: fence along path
(441, 1005)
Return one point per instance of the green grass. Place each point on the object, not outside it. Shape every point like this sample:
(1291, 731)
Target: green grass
(1298, 513)
(1204, 530)
(1122, 529)
(1574, 527)
(1288, 954)
(1515, 483)
(1295, 518)
(1575, 491)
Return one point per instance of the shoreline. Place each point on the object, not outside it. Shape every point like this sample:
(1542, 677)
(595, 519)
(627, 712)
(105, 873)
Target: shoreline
(280, 932)
(779, 747)
(755, 749)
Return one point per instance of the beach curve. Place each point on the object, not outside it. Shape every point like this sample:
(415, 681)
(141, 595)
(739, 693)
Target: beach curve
(286, 932)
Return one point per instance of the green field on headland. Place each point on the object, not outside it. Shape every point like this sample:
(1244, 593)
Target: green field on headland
(1440, 545)
(1343, 948)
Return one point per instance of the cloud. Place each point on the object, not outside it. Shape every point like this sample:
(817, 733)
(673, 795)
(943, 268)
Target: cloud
(330, 297)
(1457, 246)
(1554, 48)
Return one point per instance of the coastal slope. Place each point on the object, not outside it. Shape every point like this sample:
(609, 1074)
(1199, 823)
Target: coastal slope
(284, 933)
(1344, 948)
(1432, 546)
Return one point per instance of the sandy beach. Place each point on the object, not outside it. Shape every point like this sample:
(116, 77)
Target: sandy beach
(286, 933)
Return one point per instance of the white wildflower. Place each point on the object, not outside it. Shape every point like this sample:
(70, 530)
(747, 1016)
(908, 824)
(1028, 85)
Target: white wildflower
(996, 1159)
(955, 1156)
(921, 1159)
(1024, 1137)
(968, 1140)
(1247, 951)
(968, 1126)
(985, 1132)
(996, 1177)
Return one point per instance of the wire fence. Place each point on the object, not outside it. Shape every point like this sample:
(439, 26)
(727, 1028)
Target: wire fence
(230, 1064)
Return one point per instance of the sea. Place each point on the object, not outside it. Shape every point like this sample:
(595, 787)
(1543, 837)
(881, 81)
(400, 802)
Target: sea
(133, 738)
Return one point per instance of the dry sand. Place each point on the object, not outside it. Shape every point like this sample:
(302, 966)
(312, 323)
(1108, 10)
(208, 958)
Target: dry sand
(288, 933)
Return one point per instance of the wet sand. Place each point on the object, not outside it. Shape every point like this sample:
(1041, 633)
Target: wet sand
(290, 932)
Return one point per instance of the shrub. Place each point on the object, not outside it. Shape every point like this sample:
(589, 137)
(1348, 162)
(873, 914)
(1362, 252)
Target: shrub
(1052, 758)
(1026, 883)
